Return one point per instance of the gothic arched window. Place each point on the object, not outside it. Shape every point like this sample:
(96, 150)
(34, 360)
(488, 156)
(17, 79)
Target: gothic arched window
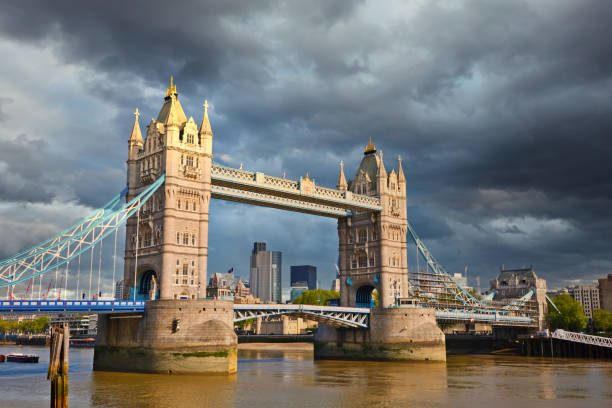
(362, 259)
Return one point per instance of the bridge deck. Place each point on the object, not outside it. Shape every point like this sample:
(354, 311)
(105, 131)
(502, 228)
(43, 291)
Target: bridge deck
(303, 196)
(70, 306)
(334, 315)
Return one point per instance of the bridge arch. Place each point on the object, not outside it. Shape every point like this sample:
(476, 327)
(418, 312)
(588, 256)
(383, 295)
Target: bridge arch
(146, 282)
(364, 296)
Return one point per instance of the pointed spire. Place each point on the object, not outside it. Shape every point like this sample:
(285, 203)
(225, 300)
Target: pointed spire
(342, 184)
(136, 136)
(381, 166)
(205, 125)
(400, 171)
(172, 89)
(370, 148)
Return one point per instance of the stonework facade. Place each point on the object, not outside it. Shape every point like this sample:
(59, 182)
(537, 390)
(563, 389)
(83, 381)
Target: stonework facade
(515, 283)
(372, 246)
(167, 241)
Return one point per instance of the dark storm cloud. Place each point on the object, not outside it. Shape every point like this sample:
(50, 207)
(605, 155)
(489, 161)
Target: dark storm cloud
(501, 110)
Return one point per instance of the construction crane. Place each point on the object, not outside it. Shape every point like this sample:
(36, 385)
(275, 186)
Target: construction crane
(48, 289)
(27, 290)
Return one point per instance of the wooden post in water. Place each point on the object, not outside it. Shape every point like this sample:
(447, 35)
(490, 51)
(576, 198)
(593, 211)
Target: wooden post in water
(58, 365)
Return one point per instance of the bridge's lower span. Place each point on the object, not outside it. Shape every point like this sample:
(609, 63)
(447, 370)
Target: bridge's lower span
(337, 316)
(354, 317)
(70, 306)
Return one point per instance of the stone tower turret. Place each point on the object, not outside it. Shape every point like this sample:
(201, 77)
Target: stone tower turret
(170, 241)
(373, 246)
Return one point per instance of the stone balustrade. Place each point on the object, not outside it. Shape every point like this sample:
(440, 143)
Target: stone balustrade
(303, 190)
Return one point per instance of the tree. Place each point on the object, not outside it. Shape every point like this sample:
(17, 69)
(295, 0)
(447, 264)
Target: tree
(602, 320)
(39, 325)
(316, 297)
(571, 317)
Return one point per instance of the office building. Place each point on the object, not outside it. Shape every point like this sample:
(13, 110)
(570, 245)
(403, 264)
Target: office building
(605, 293)
(297, 290)
(266, 270)
(304, 273)
(119, 289)
(587, 296)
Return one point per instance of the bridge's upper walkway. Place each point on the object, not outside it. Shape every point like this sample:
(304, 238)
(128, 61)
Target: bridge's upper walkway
(303, 195)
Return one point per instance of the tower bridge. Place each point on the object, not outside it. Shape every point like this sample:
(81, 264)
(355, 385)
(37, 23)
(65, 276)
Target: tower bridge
(171, 178)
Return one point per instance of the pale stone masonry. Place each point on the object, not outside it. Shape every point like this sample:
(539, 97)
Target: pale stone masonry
(172, 236)
(515, 283)
(373, 245)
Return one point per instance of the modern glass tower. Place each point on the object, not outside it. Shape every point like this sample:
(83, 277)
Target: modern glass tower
(304, 273)
(266, 273)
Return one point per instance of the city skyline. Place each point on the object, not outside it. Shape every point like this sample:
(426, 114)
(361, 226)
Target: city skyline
(491, 127)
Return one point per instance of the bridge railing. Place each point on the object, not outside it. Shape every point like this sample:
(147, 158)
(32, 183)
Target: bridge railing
(257, 180)
(51, 306)
(582, 338)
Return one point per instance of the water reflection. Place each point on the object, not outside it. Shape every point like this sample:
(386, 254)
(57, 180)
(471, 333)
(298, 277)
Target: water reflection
(290, 378)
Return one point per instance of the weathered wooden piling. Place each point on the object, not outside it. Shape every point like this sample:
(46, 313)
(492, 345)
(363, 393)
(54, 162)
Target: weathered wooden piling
(58, 365)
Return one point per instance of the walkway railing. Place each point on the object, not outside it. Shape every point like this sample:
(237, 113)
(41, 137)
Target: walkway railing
(230, 183)
(582, 338)
(70, 306)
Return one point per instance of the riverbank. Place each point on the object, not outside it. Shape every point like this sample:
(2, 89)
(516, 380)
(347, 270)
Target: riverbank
(24, 340)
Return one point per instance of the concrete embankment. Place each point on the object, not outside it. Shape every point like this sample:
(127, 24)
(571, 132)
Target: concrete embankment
(541, 346)
(25, 340)
(461, 344)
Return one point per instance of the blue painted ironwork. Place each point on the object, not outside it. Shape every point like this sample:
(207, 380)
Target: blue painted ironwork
(67, 246)
(552, 303)
(70, 306)
(333, 315)
(45, 245)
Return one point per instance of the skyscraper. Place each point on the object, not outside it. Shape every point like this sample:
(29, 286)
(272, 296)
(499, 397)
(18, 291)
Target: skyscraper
(304, 273)
(266, 271)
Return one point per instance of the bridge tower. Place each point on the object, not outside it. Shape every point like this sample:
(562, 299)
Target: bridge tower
(372, 247)
(166, 246)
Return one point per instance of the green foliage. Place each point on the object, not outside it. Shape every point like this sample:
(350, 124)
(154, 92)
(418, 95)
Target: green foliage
(316, 297)
(244, 323)
(474, 293)
(602, 320)
(39, 325)
(572, 316)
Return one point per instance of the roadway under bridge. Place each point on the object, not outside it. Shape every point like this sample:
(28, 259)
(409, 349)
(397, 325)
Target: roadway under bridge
(337, 316)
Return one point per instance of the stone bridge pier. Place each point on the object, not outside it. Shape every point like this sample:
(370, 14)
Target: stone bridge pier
(173, 336)
(393, 334)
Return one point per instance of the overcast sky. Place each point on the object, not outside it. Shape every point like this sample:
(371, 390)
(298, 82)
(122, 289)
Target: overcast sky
(501, 110)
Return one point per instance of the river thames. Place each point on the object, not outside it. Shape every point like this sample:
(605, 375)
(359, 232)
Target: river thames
(268, 377)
